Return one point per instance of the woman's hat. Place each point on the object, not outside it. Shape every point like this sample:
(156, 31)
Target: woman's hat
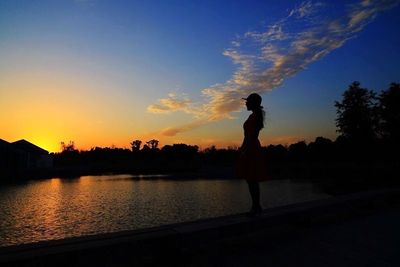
(254, 98)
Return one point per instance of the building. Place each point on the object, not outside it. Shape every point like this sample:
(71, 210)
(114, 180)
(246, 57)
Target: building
(36, 157)
(21, 156)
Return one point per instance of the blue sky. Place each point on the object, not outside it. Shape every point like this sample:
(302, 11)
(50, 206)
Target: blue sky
(176, 70)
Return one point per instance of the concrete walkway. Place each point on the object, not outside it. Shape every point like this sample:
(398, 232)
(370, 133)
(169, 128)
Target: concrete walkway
(353, 230)
(369, 240)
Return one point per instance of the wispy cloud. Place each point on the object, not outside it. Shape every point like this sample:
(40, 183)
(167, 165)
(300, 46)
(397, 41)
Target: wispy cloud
(170, 104)
(172, 131)
(305, 9)
(266, 59)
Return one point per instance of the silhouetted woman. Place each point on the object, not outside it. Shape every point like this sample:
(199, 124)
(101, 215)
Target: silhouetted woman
(251, 163)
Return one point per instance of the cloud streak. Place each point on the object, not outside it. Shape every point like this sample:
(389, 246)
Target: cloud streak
(172, 131)
(170, 104)
(266, 59)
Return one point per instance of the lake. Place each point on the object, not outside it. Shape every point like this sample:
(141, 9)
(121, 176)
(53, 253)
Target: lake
(58, 208)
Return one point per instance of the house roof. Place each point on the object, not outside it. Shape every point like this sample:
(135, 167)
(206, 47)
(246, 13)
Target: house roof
(4, 142)
(29, 147)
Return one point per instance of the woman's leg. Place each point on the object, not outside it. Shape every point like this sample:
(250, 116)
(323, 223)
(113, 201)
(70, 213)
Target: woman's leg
(254, 188)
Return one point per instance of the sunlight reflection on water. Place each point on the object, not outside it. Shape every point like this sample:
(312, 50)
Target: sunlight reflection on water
(59, 208)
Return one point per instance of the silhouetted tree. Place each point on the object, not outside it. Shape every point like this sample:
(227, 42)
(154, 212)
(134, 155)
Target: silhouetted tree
(180, 151)
(153, 144)
(321, 149)
(223, 156)
(390, 114)
(209, 154)
(356, 114)
(146, 148)
(136, 145)
(276, 153)
(298, 151)
(70, 147)
(210, 150)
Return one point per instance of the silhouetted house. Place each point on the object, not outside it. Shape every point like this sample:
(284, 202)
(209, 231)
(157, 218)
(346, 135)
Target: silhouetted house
(3, 144)
(36, 157)
(21, 156)
(5, 155)
(11, 159)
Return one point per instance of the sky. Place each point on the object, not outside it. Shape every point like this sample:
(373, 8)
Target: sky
(105, 73)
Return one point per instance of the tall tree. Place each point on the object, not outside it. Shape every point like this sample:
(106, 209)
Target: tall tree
(135, 145)
(153, 144)
(357, 114)
(390, 114)
(70, 147)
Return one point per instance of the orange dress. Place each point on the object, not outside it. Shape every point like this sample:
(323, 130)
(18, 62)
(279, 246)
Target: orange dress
(251, 163)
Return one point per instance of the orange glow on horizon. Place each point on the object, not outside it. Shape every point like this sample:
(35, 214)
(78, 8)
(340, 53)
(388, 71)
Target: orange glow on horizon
(49, 109)
(51, 141)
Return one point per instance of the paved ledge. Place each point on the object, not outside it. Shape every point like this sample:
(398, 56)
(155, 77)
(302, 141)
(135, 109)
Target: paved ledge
(170, 245)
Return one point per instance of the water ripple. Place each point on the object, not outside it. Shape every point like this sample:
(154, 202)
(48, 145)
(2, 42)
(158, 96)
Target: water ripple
(59, 208)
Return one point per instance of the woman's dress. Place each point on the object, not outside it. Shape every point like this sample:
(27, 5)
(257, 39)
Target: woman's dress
(251, 163)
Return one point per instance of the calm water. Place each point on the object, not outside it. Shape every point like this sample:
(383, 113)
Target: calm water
(58, 208)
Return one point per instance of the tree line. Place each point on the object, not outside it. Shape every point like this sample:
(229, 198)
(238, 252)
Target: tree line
(367, 122)
(365, 118)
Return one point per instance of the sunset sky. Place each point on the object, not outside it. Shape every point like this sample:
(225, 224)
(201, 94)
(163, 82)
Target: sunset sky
(106, 72)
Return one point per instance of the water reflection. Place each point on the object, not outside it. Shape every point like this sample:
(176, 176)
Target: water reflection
(58, 208)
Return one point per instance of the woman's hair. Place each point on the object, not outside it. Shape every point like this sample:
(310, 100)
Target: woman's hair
(255, 101)
(260, 116)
